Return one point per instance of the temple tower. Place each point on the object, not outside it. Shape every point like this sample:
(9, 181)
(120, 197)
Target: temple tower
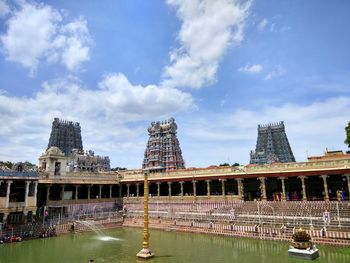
(66, 135)
(163, 151)
(272, 145)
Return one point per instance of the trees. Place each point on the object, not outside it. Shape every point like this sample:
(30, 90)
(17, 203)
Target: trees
(347, 132)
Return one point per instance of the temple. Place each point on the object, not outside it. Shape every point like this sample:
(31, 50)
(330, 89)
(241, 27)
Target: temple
(272, 145)
(66, 135)
(163, 151)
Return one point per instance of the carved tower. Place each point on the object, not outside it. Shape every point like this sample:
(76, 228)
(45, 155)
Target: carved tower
(163, 152)
(272, 145)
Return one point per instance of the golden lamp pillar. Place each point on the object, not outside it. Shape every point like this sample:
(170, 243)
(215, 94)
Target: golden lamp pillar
(145, 251)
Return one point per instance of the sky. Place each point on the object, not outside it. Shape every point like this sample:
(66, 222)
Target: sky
(219, 68)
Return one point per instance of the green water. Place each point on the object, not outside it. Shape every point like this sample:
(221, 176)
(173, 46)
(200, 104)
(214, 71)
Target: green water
(168, 246)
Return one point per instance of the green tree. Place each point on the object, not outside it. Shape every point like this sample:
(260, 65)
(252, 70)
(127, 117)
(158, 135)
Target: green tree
(347, 132)
(235, 164)
(224, 164)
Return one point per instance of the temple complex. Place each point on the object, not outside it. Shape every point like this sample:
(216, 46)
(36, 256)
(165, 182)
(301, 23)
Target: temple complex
(272, 145)
(163, 152)
(66, 135)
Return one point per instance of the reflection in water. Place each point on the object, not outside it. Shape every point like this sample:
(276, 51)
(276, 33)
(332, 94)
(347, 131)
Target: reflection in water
(170, 247)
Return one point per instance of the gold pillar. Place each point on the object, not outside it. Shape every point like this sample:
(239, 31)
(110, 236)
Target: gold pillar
(302, 178)
(145, 251)
(325, 186)
(208, 188)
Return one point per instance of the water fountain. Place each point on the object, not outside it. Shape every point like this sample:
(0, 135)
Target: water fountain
(98, 231)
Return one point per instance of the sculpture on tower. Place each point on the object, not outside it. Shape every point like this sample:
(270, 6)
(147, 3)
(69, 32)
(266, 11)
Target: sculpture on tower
(272, 145)
(163, 152)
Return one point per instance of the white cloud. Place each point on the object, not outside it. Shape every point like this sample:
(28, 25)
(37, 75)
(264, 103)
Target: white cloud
(276, 73)
(4, 9)
(256, 68)
(310, 127)
(36, 32)
(262, 25)
(109, 115)
(208, 29)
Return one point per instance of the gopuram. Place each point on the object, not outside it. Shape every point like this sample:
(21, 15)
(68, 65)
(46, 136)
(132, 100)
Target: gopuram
(163, 152)
(272, 145)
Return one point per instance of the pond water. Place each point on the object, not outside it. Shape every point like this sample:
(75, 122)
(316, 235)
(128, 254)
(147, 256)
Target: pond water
(122, 244)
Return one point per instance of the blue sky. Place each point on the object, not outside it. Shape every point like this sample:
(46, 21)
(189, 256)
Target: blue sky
(219, 67)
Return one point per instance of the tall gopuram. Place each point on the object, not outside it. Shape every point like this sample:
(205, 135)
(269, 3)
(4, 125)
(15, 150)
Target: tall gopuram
(163, 151)
(272, 145)
(66, 135)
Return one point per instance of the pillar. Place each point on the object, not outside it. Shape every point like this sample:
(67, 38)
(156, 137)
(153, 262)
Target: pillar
(120, 188)
(302, 178)
(208, 188)
(283, 188)
(169, 189)
(110, 191)
(76, 192)
(182, 188)
(89, 189)
(127, 190)
(48, 193)
(62, 191)
(100, 191)
(240, 188)
(26, 193)
(158, 189)
(8, 189)
(223, 190)
(35, 192)
(137, 190)
(262, 188)
(325, 186)
(348, 179)
(194, 189)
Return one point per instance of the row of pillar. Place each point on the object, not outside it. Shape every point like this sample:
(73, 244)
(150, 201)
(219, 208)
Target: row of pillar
(76, 192)
(27, 184)
(241, 188)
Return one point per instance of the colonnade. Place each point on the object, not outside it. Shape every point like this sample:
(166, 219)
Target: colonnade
(240, 187)
(26, 194)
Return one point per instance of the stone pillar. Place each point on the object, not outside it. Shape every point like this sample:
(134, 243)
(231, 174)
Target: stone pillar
(62, 191)
(223, 190)
(26, 193)
(208, 188)
(182, 188)
(302, 178)
(262, 188)
(76, 192)
(283, 188)
(240, 188)
(48, 193)
(194, 189)
(35, 192)
(110, 191)
(137, 190)
(348, 179)
(127, 190)
(325, 186)
(169, 189)
(100, 191)
(89, 189)
(158, 189)
(120, 189)
(8, 193)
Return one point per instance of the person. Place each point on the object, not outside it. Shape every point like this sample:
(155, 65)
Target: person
(339, 195)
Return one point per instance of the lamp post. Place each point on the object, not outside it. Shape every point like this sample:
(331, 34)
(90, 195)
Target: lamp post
(145, 251)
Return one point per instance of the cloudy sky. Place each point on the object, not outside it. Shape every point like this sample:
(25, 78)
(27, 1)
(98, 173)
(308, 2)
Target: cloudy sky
(219, 67)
